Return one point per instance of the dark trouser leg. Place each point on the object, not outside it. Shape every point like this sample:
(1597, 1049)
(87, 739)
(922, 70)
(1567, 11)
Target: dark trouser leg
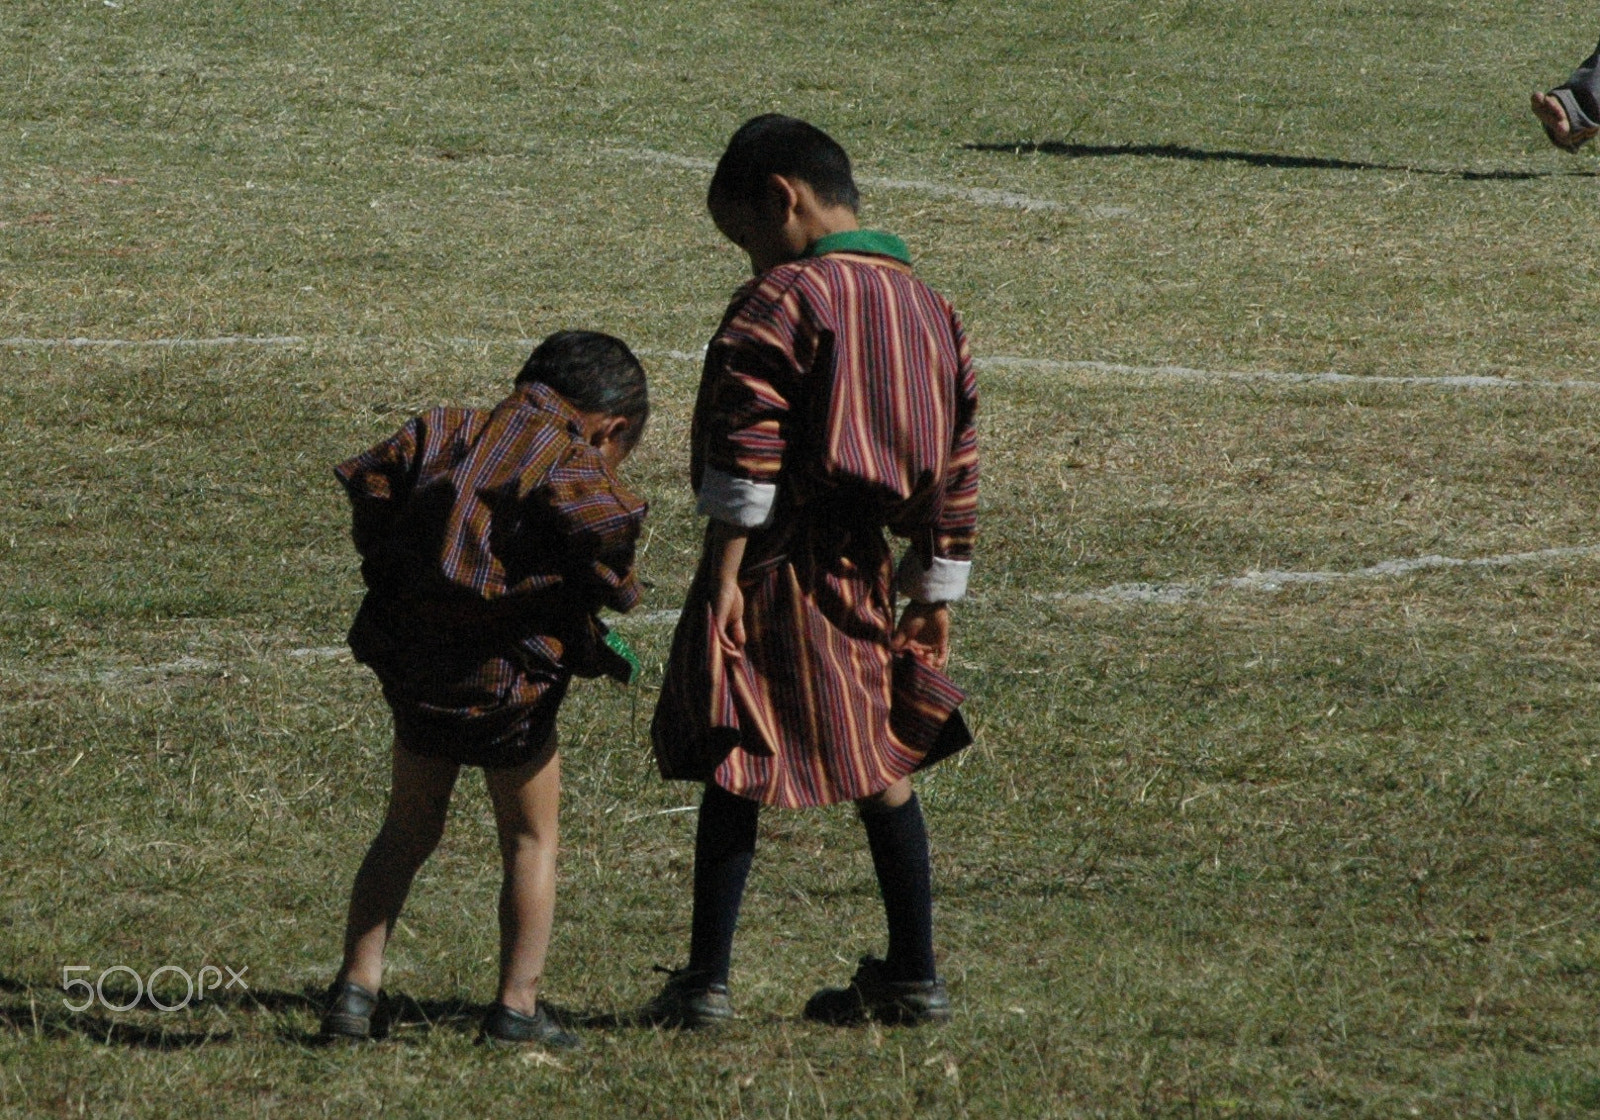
(1580, 94)
(1592, 61)
(899, 842)
(724, 846)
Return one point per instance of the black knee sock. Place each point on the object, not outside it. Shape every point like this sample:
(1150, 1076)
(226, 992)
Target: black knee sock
(724, 845)
(899, 842)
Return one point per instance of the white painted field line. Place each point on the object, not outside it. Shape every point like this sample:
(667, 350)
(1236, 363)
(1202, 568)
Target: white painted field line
(153, 343)
(1269, 581)
(1184, 373)
(182, 667)
(983, 196)
(651, 618)
(1119, 593)
(127, 674)
(320, 653)
(995, 362)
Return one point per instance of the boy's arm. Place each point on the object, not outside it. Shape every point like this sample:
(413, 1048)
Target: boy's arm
(740, 430)
(739, 423)
(924, 627)
(725, 550)
(742, 447)
(937, 571)
(741, 417)
(740, 438)
(378, 480)
(599, 522)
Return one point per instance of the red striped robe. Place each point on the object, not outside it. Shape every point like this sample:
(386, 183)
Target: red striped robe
(837, 400)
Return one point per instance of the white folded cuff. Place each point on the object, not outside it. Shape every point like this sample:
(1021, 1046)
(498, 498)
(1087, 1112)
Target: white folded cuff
(944, 582)
(736, 501)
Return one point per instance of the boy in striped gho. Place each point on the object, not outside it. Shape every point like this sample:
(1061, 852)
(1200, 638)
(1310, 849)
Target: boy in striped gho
(837, 401)
(488, 540)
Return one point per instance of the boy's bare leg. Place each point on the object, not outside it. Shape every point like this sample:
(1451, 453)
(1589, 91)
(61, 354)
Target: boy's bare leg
(1553, 117)
(527, 802)
(419, 798)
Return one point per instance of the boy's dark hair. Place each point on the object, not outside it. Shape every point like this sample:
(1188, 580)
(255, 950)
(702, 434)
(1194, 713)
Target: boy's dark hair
(773, 144)
(593, 372)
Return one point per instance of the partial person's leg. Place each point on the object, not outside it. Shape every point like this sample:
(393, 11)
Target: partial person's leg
(1570, 113)
(419, 798)
(527, 801)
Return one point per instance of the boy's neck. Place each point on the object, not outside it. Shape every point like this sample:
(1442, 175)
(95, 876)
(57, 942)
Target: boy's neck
(822, 222)
(784, 225)
(804, 219)
(807, 222)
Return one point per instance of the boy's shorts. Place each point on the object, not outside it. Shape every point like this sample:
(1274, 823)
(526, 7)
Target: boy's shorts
(482, 703)
(499, 737)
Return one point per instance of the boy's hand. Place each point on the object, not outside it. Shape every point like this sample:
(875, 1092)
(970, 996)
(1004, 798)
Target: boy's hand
(924, 630)
(727, 615)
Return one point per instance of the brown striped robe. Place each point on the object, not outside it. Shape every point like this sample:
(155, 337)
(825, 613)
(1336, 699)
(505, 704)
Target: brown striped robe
(488, 538)
(837, 401)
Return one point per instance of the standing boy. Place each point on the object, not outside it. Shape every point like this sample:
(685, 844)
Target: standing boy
(837, 401)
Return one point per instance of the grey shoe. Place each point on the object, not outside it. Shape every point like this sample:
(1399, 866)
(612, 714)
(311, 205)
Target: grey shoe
(503, 1026)
(688, 1000)
(348, 1015)
(872, 995)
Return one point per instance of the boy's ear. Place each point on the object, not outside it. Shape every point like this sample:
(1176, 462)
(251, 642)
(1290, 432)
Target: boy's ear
(782, 195)
(612, 427)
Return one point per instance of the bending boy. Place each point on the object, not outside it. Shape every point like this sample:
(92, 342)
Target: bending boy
(837, 401)
(489, 538)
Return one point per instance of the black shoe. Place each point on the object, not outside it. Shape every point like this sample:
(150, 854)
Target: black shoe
(687, 999)
(872, 995)
(506, 1027)
(348, 1014)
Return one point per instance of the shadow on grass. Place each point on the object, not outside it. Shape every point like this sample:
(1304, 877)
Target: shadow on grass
(41, 1011)
(1254, 159)
(137, 1021)
(45, 1016)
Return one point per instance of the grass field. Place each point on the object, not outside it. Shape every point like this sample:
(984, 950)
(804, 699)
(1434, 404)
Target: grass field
(1225, 846)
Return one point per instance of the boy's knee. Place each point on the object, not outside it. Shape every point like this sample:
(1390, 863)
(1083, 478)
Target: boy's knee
(527, 844)
(412, 841)
(885, 800)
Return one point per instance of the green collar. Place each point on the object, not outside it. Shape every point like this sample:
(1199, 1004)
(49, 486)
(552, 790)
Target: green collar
(861, 241)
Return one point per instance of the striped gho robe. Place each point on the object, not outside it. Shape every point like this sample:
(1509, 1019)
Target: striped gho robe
(488, 538)
(837, 401)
